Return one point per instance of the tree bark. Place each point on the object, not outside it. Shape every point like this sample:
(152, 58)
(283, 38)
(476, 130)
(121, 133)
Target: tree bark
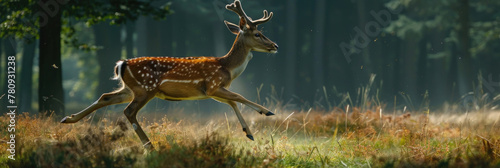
(26, 92)
(50, 93)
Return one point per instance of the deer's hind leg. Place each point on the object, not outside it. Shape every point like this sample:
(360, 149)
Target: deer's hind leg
(123, 95)
(130, 112)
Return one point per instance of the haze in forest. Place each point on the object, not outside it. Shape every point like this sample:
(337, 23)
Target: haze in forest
(419, 54)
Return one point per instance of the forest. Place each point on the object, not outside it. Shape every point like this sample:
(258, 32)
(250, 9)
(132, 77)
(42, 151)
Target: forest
(373, 56)
(424, 53)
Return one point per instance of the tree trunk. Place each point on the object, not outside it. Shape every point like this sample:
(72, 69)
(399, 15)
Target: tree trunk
(166, 38)
(218, 37)
(437, 72)
(107, 36)
(318, 54)
(290, 48)
(142, 38)
(9, 49)
(179, 35)
(422, 82)
(50, 93)
(397, 68)
(366, 63)
(154, 35)
(464, 43)
(2, 69)
(408, 71)
(26, 92)
(129, 39)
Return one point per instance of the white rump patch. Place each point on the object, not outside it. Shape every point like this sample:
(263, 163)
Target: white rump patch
(119, 66)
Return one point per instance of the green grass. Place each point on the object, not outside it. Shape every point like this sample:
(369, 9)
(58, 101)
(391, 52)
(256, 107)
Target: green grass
(299, 139)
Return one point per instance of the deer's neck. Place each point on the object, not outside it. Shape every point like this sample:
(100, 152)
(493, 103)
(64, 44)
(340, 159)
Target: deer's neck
(237, 58)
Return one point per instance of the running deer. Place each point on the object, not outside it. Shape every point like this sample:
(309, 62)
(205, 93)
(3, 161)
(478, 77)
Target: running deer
(191, 78)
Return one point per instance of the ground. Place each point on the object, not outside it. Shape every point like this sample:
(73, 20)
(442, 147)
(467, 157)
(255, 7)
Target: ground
(309, 138)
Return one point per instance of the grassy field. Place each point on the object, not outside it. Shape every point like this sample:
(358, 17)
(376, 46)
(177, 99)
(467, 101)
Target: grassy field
(290, 139)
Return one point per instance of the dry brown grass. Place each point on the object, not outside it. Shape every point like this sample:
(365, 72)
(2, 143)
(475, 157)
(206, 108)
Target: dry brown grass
(302, 138)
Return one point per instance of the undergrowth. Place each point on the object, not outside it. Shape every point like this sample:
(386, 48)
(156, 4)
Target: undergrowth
(306, 139)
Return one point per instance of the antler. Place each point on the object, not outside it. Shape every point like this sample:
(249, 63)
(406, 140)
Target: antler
(236, 7)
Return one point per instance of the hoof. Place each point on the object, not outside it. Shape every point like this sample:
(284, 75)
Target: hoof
(68, 119)
(64, 119)
(250, 137)
(269, 113)
(148, 146)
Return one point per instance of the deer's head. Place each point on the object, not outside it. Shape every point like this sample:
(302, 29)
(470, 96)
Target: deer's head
(247, 31)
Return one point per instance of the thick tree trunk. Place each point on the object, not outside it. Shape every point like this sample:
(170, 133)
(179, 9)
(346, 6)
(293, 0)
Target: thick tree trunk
(107, 36)
(50, 93)
(26, 92)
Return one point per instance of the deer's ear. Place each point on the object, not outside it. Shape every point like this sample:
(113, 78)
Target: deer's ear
(243, 24)
(235, 29)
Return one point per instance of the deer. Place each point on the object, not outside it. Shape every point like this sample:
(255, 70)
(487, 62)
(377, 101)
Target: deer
(187, 78)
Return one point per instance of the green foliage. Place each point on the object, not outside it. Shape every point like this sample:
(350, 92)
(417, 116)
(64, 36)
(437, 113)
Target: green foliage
(17, 19)
(21, 20)
(421, 17)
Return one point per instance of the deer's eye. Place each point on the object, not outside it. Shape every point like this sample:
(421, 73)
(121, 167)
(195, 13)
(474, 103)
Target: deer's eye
(257, 35)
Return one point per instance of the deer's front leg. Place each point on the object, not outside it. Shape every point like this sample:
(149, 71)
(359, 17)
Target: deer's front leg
(244, 125)
(228, 95)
